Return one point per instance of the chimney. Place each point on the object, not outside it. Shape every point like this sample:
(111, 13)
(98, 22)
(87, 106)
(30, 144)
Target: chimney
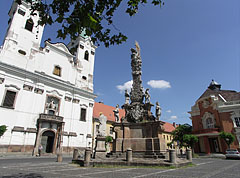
(174, 124)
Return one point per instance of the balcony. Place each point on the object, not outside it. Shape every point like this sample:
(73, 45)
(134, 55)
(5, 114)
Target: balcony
(209, 130)
(51, 118)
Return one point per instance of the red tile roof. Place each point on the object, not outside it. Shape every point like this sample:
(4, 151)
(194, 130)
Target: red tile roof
(106, 110)
(168, 127)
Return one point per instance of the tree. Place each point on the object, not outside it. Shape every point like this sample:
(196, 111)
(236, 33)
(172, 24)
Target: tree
(190, 140)
(93, 17)
(3, 129)
(179, 133)
(227, 137)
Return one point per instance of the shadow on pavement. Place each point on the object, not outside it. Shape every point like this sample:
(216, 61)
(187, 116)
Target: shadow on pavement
(21, 175)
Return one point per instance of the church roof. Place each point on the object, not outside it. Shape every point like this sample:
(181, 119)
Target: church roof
(107, 111)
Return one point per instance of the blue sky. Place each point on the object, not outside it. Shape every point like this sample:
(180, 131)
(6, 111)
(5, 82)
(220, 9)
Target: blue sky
(186, 43)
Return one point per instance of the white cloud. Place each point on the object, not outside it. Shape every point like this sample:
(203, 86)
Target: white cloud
(172, 118)
(169, 111)
(162, 84)
(125, 86)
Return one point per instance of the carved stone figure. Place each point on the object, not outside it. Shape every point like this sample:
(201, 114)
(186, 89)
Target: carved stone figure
(116, 114)
(158, 111)
(52, 105)
(127, 97)
(147, 96)
(102, 126)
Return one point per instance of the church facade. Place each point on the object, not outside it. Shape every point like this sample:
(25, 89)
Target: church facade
(46, 93)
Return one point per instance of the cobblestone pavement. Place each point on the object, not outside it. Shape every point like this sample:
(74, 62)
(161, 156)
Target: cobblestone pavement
(48, 168)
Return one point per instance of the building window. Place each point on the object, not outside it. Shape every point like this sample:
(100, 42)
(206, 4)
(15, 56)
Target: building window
(9, 99)
(83, 115)
(97, 128)
(209, 123)
(111, 130)
(164, 137)
(29, 25)
(57, 71)
(167, 137)
(237, 121)
(86, 55)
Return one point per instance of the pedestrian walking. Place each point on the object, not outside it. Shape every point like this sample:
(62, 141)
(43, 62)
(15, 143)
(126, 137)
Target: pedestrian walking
(40, 150)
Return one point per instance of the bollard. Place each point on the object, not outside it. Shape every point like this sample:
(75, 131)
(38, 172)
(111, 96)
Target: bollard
(59, 157)
(172, 156)
(167, 155)
(129, 155)
(75, 154)
(189, 155)
(87, 157)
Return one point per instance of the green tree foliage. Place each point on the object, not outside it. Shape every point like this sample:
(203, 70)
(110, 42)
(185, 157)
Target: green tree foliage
(3, 129)
(94, 17)
(228, 138)
(179, 132)
(190, 140)
(108, 139)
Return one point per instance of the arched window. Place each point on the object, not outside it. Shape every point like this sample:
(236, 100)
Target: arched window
(29, 25)
(57, 71)
(86, 55)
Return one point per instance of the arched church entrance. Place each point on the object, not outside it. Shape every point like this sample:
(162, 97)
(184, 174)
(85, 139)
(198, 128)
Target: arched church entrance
(47, 141)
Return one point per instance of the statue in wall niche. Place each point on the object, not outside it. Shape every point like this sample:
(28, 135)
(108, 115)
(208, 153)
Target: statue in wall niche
(116, 113)
(127, 97)
(52, 105)
(158, 111)
(102, 125)
(147, 96)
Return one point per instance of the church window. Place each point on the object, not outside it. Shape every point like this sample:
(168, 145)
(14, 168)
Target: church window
(84, 77)
(237, 121)
(57, 71)
(86, 55)
(97, 128)
(83, 114)
(81, 46)
(9, 99)
(21, 12)
(92, 53)
(29, 25)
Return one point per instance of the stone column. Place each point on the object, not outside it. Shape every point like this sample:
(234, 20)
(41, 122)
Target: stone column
(75, 154)
(172, 156)
(38, 141)
(87, 157)
(206, 144)
(129, 155)
(189, 155)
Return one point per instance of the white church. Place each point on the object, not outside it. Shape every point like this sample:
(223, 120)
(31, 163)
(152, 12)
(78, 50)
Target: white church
(46, 93)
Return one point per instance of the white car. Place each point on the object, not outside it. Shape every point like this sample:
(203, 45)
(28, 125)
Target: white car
(232, 153)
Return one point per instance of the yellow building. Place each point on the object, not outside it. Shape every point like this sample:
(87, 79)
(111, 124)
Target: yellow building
(166, 135)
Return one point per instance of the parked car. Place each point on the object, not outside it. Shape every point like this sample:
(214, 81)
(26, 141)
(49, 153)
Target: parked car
(232, 153)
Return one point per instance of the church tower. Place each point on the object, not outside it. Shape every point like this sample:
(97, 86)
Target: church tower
(85, 56)
(23, 35)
